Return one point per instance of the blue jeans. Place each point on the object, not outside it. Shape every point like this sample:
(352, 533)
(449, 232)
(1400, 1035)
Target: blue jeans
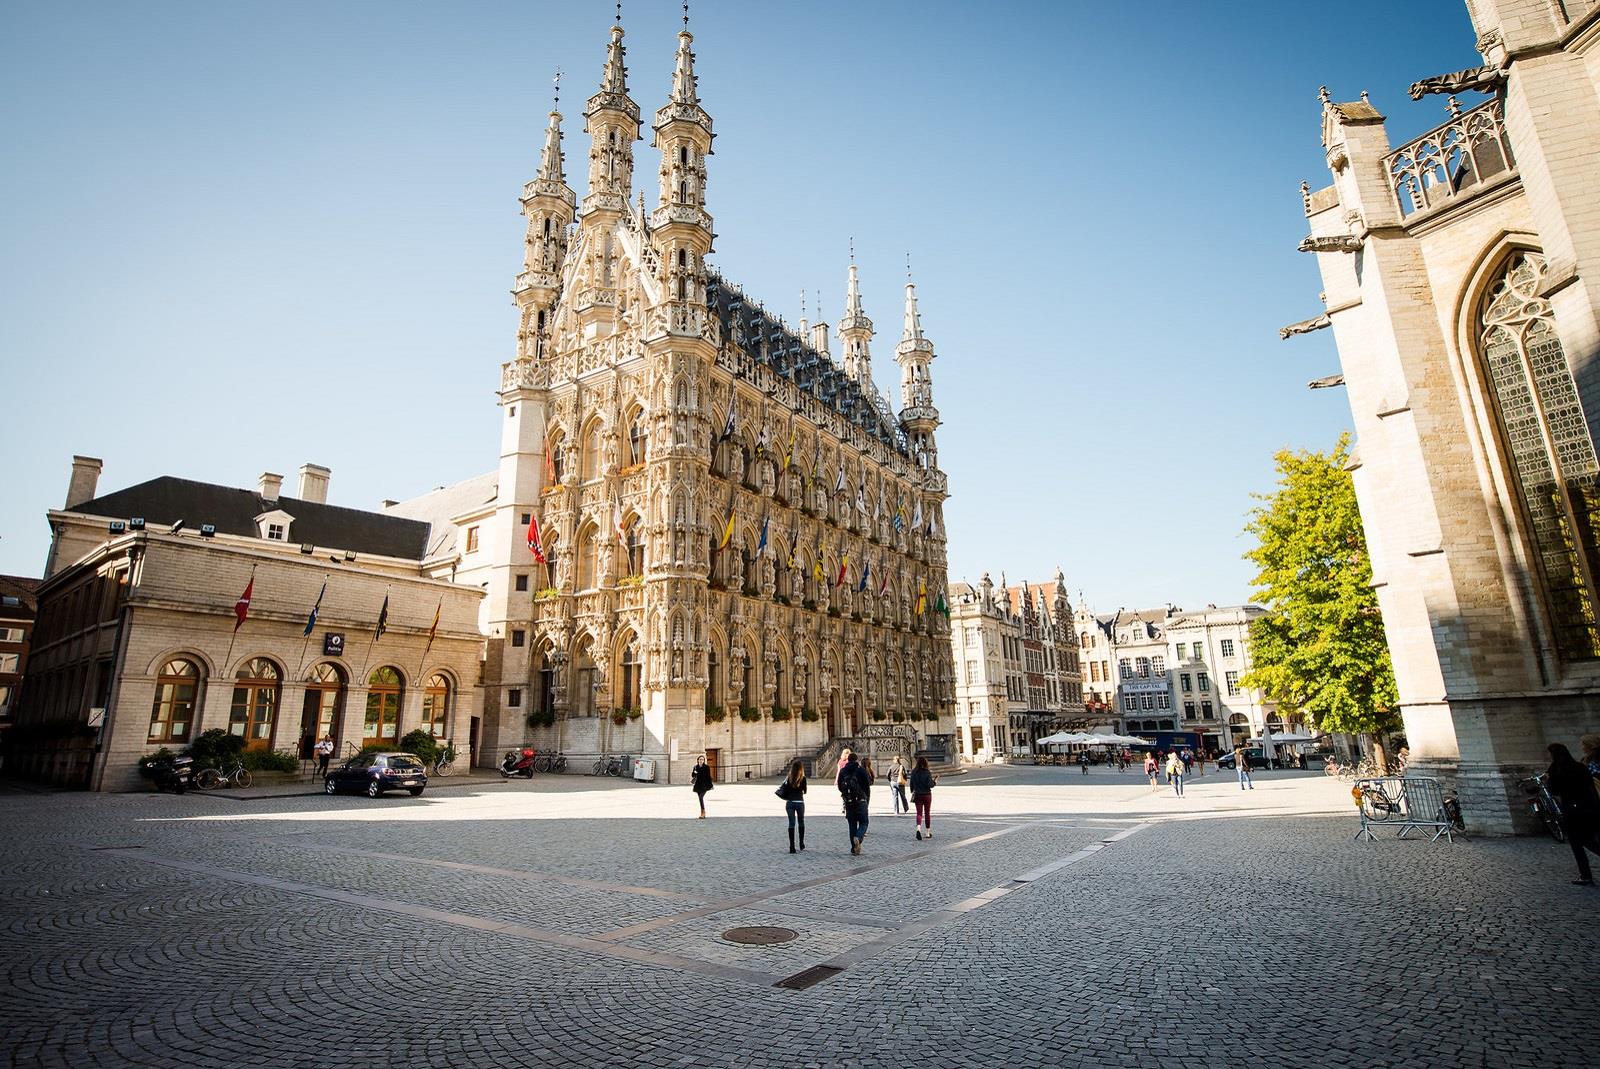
(855, 815)
(1177, 784)
(1244, 779)
(900, 803)
(797, 811)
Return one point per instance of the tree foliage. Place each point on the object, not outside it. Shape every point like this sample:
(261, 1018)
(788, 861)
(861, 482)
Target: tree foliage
(1320, 651)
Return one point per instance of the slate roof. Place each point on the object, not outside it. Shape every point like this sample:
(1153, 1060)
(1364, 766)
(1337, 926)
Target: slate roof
(167, 499)
(440, 506)
(748, 324)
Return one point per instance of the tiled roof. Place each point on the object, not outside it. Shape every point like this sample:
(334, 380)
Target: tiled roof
(168, 499)
(440, 506)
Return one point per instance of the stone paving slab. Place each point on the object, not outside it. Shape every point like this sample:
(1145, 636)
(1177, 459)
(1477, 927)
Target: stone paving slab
(1221, 931)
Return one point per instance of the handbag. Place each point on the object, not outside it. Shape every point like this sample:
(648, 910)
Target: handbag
(783, 790)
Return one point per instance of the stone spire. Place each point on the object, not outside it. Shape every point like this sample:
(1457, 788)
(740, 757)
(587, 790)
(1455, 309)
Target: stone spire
(612, 120)
(914, 354)
(548, 204)
(680, 226)
(855, 332)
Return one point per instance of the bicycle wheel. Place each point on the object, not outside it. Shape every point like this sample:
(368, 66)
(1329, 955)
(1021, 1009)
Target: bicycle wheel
(559, 764)
(207, 778)
(442, 768)
(542, 763)
(599, 768)
(1552, 824)
(243, 778)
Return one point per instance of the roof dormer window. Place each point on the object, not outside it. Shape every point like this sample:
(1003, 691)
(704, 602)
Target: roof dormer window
(274, 526)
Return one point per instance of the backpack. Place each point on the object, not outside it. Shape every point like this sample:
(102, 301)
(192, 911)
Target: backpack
(850, 784)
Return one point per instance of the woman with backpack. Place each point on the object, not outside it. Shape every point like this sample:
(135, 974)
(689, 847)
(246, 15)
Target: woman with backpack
(793, 792)
(922, 784)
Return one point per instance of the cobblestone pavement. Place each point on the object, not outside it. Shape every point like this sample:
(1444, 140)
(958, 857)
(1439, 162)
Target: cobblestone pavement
(1055, 919)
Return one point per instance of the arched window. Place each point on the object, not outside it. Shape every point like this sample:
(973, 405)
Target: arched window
(780, 570)
(637, 444)
(177, 695)
(628, 696)
(545, 695)
(552, 549)
(588, 560)
(635, 548)
(382, 723)
(593, 446)
(255, 701)
(719, 562)
(436, 706)
(1544, 431)
(779, 695)
(752, 565)
(324, 703)
(748, 676)
(583, 680)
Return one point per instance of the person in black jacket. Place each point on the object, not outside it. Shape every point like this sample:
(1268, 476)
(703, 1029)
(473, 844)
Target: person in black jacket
(700, 783)
(922, 783)
(1573, 787)
(793, 793)
(855, 787)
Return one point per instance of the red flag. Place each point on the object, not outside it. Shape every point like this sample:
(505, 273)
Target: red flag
(844, 566)
(534, 545)
(241, 608)
(549, 461)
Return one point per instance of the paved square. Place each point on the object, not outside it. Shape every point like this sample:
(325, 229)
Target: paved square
(1053, 920)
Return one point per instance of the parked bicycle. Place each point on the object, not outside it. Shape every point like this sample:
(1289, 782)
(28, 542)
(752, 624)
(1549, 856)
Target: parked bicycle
(234, 774)
(446, 763)
(550, 762)
(614, 765)
(1544, 806)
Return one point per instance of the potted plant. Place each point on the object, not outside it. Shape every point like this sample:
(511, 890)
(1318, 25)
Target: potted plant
(749, 715)
(779, 714)
(635, 713)
(619, 717)
(715, 714)
(810, 716)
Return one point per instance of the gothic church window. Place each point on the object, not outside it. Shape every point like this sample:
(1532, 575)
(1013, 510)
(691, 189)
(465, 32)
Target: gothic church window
(592, 451)
(1543, 429)
(636, 439)
(588, 556)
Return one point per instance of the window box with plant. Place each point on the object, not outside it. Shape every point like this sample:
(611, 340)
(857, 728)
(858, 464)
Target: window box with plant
(930, 715)
(619, 717)
(780, 714)
(546, 593)
(634, 713)
(833, 610)
(878, 714)
(715, 714)
(749, 716)
(898, 717)
(808, 603)
(810, 716)
(542, 719)
(630, 580)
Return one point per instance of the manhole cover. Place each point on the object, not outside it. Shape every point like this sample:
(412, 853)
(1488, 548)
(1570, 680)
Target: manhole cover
(759, 936)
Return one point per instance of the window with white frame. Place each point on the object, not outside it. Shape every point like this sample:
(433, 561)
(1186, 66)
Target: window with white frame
(1205, 683)
(1125, 668)
(1158, 665)
(1231, 679)
(1227, 647)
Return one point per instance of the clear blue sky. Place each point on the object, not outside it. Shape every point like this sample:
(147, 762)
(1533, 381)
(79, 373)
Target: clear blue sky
(241, 236)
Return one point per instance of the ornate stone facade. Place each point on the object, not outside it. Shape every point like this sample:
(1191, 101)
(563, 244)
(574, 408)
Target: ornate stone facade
(1461, 276)
(742, 540)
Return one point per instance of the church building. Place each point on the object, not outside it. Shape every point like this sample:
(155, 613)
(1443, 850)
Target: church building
(1461, 275)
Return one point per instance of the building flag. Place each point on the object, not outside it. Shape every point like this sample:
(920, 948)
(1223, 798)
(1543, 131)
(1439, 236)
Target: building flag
(761, 442)
(900, 513)
(729, 427)
(916, 517)
(241, 608)
(433, 628)
(761, 547)
(866, 570)
(861, 501)
(883, 582)
(940, 605)
(844, 566)
(727, 532)
(816, 566)
(535, 543)
(838, 485)
(616, 521)
(383, 620)
(549, 460)
(788, 454)
(922, 596)
(311, 621)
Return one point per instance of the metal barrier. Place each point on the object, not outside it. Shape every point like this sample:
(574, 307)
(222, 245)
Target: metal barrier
(1410, 803)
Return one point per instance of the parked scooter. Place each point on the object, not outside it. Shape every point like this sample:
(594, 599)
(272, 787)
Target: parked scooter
(518, 763)
(176, 773)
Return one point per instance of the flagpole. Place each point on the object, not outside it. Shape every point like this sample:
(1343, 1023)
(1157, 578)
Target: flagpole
(371, 645)
(227, 658)
(307, 643)
(431, 631)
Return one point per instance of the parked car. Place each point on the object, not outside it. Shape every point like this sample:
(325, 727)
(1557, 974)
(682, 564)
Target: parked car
(1258, 759)
(375, 773)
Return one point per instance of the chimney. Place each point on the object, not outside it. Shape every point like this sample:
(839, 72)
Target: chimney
(819, 338)
(271, 486)
(85, 478)
(314, 483)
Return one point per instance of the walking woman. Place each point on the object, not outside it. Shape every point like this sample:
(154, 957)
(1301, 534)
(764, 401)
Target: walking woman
(1175, 772)
(1573, 787)
(922, 784)
(793, 793)
(700, 783)
(897, 786)
(1150, 768)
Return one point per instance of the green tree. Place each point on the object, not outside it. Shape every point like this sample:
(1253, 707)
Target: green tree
(1320, 651)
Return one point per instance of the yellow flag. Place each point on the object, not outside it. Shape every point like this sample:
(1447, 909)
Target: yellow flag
(922, 595)
(727, 532)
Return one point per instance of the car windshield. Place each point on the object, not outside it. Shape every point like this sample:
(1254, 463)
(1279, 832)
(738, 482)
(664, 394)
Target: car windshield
(406, 762)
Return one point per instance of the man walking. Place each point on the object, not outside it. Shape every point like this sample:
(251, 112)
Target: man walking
(324, 752)
(855, 788)
(1241, 761)
(1175, 772)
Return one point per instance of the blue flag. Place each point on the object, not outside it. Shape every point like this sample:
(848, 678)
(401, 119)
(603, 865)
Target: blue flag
(866, 570)
(761, 547)
(311, 621)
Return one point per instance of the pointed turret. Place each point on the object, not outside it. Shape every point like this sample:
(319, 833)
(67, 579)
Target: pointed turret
(612, 121)
(680, 225)
(914, 354)
(855, 333)
(547, 203)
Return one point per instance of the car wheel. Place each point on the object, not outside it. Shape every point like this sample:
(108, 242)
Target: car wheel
(374, 789)
(416, 792)
(329, 787)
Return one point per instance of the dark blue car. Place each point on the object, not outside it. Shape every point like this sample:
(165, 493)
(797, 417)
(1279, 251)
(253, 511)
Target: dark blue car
(374, 773)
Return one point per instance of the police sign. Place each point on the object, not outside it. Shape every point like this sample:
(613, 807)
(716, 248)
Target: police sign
(332, 644)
